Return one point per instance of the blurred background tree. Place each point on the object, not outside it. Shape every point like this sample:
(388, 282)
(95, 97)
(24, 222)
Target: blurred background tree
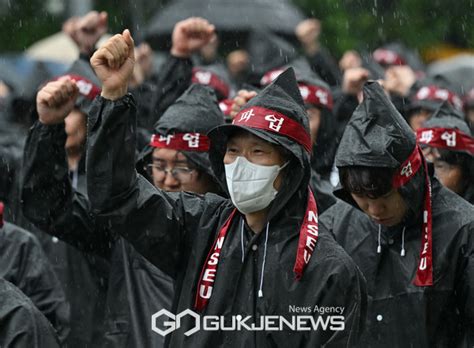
(436, 27)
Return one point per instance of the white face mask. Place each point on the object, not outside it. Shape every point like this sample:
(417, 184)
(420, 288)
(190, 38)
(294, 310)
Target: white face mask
(251, 185)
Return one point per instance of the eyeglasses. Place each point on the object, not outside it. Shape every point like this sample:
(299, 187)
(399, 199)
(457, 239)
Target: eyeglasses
(182, 174)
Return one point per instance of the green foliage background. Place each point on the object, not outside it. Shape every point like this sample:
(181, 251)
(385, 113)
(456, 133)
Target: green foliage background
(359, 24)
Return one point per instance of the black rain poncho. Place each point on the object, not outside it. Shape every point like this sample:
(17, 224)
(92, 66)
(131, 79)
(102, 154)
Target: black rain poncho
(175, 232)
(400, 313)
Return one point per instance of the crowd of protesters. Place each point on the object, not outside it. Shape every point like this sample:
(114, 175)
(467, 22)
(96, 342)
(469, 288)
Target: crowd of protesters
(201, 185)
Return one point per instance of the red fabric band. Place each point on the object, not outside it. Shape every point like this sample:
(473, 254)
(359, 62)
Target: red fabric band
(424, 273)
(204, 77)
(439, 94)
(387, 57)
(275, 122)
(316, 95)
(181, 141)
(446, 138)
(306, 245)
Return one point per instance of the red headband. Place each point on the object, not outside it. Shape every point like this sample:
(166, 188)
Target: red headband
(446, 138)
(387, 57)
(270, 76)
(208, 78)
(261, 118)
(424, 273)
(226, 106)
(181, 141)
(438, 94)
(316, 95)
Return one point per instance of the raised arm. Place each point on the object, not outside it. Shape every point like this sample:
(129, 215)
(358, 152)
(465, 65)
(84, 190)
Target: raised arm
(155, 223)
(48, 198)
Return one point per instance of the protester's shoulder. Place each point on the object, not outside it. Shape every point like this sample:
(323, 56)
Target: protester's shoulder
(339, 211)
(15, 234)
(332, 258)
(21, 318)
(452, 206)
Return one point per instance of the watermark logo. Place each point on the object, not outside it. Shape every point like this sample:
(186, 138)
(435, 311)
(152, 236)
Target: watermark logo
(164, 322)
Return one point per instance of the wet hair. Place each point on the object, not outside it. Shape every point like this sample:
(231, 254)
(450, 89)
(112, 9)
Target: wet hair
(372, 182)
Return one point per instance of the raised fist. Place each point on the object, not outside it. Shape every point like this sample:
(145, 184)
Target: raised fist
(113, 64)
(353, 80)
(308, 32)
(190, 35)
(242, 97)
(56, 100)
(399, 79)
(87, 30)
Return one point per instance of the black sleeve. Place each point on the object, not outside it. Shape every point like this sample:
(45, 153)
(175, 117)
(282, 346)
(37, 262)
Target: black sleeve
(465, 285)
(155, 222)
(48, 199)
(323, 64)
(344, 106)
(167, 85)
(22, 324)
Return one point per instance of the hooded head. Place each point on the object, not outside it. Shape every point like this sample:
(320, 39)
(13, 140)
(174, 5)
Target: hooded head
(397, 54)
(183, 128)
(214, 77)
(318, 101)
(276, 115)
(447, 142)
(379, 139)
(384, 173)
(427, 97)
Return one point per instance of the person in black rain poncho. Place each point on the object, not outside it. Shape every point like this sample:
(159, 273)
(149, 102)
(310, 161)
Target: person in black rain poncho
(411, 237)
(256, 255)
(134, 289)
(21, 323)
(447, 142)
(179, 142)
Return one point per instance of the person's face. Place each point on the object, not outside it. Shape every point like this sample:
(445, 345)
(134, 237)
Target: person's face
(76, 130)
(470, 118)
(171, 171)
(387, 210)
(450, 175)
(419, 117)
(314, 115)
(255, 150)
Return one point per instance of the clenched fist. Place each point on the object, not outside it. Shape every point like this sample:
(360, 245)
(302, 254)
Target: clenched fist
(87, 30)
(113, 63)
(242, 97)
(56, 100)
(191, 35)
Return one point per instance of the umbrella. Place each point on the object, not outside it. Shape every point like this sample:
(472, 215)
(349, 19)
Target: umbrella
(24, 75)
(459, 71)
(267, 52)
(231, 17)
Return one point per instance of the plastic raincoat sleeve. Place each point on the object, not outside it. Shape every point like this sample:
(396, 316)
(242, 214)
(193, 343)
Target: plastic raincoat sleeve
(153, 221)
(48, 199)
(161, 90)
(21, 324)
(174, 78)
(465, 281)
